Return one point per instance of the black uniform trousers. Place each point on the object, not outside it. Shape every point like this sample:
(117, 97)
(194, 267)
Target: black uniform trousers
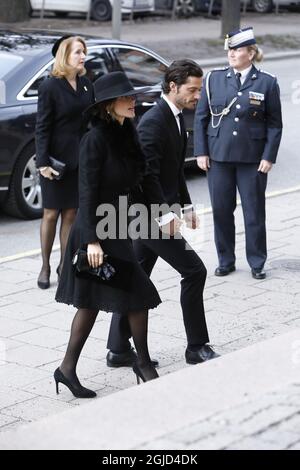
(193, 273)
(224, 179)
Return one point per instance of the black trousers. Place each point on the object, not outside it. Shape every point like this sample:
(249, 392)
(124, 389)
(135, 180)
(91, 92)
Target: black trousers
(224, 179)
(193, 273)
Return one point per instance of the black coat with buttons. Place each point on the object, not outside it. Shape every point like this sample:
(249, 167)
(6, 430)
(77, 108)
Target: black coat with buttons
(111, 164)
(251, 131)
(60, 123)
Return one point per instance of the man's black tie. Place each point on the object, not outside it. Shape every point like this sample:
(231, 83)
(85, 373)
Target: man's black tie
(182, 124)
(238, 79)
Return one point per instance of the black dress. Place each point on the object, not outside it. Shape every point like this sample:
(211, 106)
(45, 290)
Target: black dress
(110, 166)
(59, 128)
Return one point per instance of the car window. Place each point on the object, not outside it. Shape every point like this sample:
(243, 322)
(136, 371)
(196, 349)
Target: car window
(140, 67)
(33, 90)
(97, 63)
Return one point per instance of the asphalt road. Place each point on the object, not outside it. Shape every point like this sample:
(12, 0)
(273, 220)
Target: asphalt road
(18, 236)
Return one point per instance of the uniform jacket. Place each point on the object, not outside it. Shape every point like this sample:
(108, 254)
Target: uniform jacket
(252, 130)
(164, 149)
(60, 124)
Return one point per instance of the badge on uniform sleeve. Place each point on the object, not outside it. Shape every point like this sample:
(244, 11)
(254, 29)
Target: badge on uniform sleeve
(256, 98)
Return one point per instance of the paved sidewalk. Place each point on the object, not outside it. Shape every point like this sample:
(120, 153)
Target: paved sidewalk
(243, 400)
(240, 312)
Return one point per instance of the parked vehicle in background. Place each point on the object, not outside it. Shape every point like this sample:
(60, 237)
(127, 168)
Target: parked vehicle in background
(191, 7)
(188, 7)
(101, 10)
(266, 6)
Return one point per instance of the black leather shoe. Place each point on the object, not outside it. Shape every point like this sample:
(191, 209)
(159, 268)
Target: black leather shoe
(203, 354)
(75, 387)
(222, 271)
(44, 279)
(258, 274)
(125, 359)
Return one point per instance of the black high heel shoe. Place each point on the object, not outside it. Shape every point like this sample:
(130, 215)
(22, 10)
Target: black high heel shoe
(77, 390)
(140, 375)
(44, 279)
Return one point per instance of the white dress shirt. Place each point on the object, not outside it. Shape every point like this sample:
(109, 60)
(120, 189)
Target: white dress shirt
(174, 110)
(243, 73)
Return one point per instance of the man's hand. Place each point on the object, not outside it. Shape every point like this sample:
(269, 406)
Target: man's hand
(48, 172)
(172, 227)
(265, 166)
(192, 220)
(95, 254)
(203, 162)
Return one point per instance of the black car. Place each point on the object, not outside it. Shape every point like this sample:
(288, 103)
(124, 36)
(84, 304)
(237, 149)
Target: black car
(25, 61)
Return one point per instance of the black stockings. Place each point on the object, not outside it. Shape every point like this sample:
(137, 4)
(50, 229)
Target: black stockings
(82, 325)
(47, 234)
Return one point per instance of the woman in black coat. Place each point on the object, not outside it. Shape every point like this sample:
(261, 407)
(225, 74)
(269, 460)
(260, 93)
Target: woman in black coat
(111, 165)
(62, 99)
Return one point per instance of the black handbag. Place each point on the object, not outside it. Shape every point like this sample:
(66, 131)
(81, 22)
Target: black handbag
(113, 271)
(58, 166)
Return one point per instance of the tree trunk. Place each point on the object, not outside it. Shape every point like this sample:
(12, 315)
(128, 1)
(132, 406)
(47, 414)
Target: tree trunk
(12, 11)
(231, 16)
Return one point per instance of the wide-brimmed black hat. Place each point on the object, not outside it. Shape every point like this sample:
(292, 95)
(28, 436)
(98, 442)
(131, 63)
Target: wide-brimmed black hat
(58, 43)
(114, 85)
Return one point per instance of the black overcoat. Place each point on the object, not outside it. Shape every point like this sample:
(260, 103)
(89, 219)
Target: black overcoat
(110, 165)
(59, 128)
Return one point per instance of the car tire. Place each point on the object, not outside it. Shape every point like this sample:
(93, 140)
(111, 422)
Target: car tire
(262, 6)
(24, 198)
(101, 10)
(61, 14)
(185, 8)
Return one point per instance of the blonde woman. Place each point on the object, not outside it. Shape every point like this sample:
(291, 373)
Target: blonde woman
(62, 99)
(238, 127)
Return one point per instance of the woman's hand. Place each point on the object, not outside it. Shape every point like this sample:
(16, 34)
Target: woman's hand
(48, 172)
(203, 163)
(265, 166)
(95, 254)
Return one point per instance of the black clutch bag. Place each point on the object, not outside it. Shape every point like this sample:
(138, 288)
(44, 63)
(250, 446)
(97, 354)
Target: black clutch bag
(58, 166)
(113, 271)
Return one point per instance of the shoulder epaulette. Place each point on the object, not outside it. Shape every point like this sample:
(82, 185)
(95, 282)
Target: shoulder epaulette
(267, 73)
(220, 69)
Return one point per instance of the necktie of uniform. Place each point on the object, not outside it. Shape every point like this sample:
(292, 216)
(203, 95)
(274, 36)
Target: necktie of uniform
(238, 79)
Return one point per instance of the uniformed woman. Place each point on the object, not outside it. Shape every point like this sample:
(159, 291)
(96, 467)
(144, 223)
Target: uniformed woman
(238, 127)
(62, 99)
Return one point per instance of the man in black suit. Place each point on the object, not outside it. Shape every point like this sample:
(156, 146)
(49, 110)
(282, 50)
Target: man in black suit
(163, 140)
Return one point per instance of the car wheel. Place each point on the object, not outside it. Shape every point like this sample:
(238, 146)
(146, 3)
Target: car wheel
(262, 6)
(61, 14)
(185, 8)
(25, 198)
(101, 10)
